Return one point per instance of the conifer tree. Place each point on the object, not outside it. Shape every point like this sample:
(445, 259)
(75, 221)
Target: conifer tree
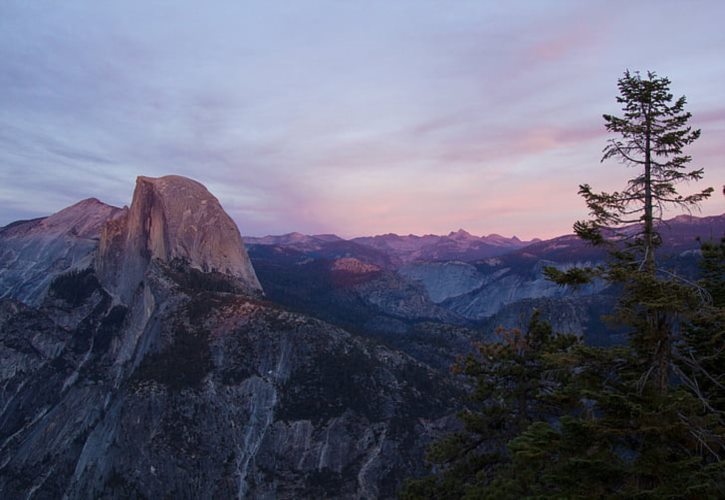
(659, 408)
(643, 420)
(701, 357)
(651, 136)
(632, 440)
(513, 386)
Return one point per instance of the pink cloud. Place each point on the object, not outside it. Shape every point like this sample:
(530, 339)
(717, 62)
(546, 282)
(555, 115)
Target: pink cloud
(709, 117)
(557, 47)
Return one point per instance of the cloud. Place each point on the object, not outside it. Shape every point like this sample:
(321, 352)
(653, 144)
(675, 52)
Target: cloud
(334, 117)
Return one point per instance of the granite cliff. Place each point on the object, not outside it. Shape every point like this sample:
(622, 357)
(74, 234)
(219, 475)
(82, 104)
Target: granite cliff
(170, 218)
(153, 367)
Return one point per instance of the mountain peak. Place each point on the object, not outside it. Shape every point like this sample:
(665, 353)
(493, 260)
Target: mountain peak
(34, 252)
(89, 202)
(171, 217)
(683, 218)
(83, 219)
(460, 235)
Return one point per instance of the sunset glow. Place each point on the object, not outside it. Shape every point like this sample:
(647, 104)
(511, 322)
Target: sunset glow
(352, 118)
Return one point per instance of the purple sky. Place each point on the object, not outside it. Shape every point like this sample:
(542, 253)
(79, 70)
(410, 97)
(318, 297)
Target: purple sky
(352, 117)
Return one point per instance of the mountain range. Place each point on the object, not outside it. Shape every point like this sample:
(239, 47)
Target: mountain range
(458, 245)
(149, 351)
(401, 288)
(680, 233)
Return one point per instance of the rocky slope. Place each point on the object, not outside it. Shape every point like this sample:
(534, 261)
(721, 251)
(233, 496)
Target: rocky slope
(501, 283)
(443, 280)
(33, 252)
(518, 275)
(163, 373)
(196, 393)
(346, 290)
(377, 303)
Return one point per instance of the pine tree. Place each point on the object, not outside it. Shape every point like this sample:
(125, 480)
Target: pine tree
(558, 419)
(623, 443)
(652, 134)
(627, 439)
(514, 383)
(658, 409)
(701, 355)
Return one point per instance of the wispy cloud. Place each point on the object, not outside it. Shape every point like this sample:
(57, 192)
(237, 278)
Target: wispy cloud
(339, 117)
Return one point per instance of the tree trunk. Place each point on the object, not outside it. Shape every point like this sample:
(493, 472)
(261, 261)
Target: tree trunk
(662, 338)
(649, 250)
(659, 331)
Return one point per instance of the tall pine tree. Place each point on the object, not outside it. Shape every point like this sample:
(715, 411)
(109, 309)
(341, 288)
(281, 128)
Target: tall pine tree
(657, 412)
(643, 420)
(651, 136)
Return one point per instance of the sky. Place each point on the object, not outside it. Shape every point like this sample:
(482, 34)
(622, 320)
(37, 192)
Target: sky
(346, 117)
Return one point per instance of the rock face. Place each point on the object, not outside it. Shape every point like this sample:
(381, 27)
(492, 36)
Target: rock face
(348, 291)
(503, 285)
(189, 392)
(170, 218)
(162, 372)
(34, 252)
(353, 265)
(444, 280)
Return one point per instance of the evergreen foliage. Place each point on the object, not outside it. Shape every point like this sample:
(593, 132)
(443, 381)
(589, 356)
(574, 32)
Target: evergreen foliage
(652, 133)
(515, 382)
(559, 419)
(651, 136)
(75, 286)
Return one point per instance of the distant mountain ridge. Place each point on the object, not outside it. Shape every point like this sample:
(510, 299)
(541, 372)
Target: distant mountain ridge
(678, 233)
(455, 287)
(456, 245)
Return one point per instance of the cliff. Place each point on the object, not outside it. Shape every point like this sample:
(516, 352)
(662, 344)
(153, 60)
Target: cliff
(171, 218)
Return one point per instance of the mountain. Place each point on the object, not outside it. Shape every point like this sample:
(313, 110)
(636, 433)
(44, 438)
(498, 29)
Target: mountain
(209, 394)
(34, 252)
(141, 358)
(490, 290)
(294, 240)
(170, 218)
(154, 367)
(458, 245)
(681, 233)
(479, 293)
(392, 250)
(330, 247)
